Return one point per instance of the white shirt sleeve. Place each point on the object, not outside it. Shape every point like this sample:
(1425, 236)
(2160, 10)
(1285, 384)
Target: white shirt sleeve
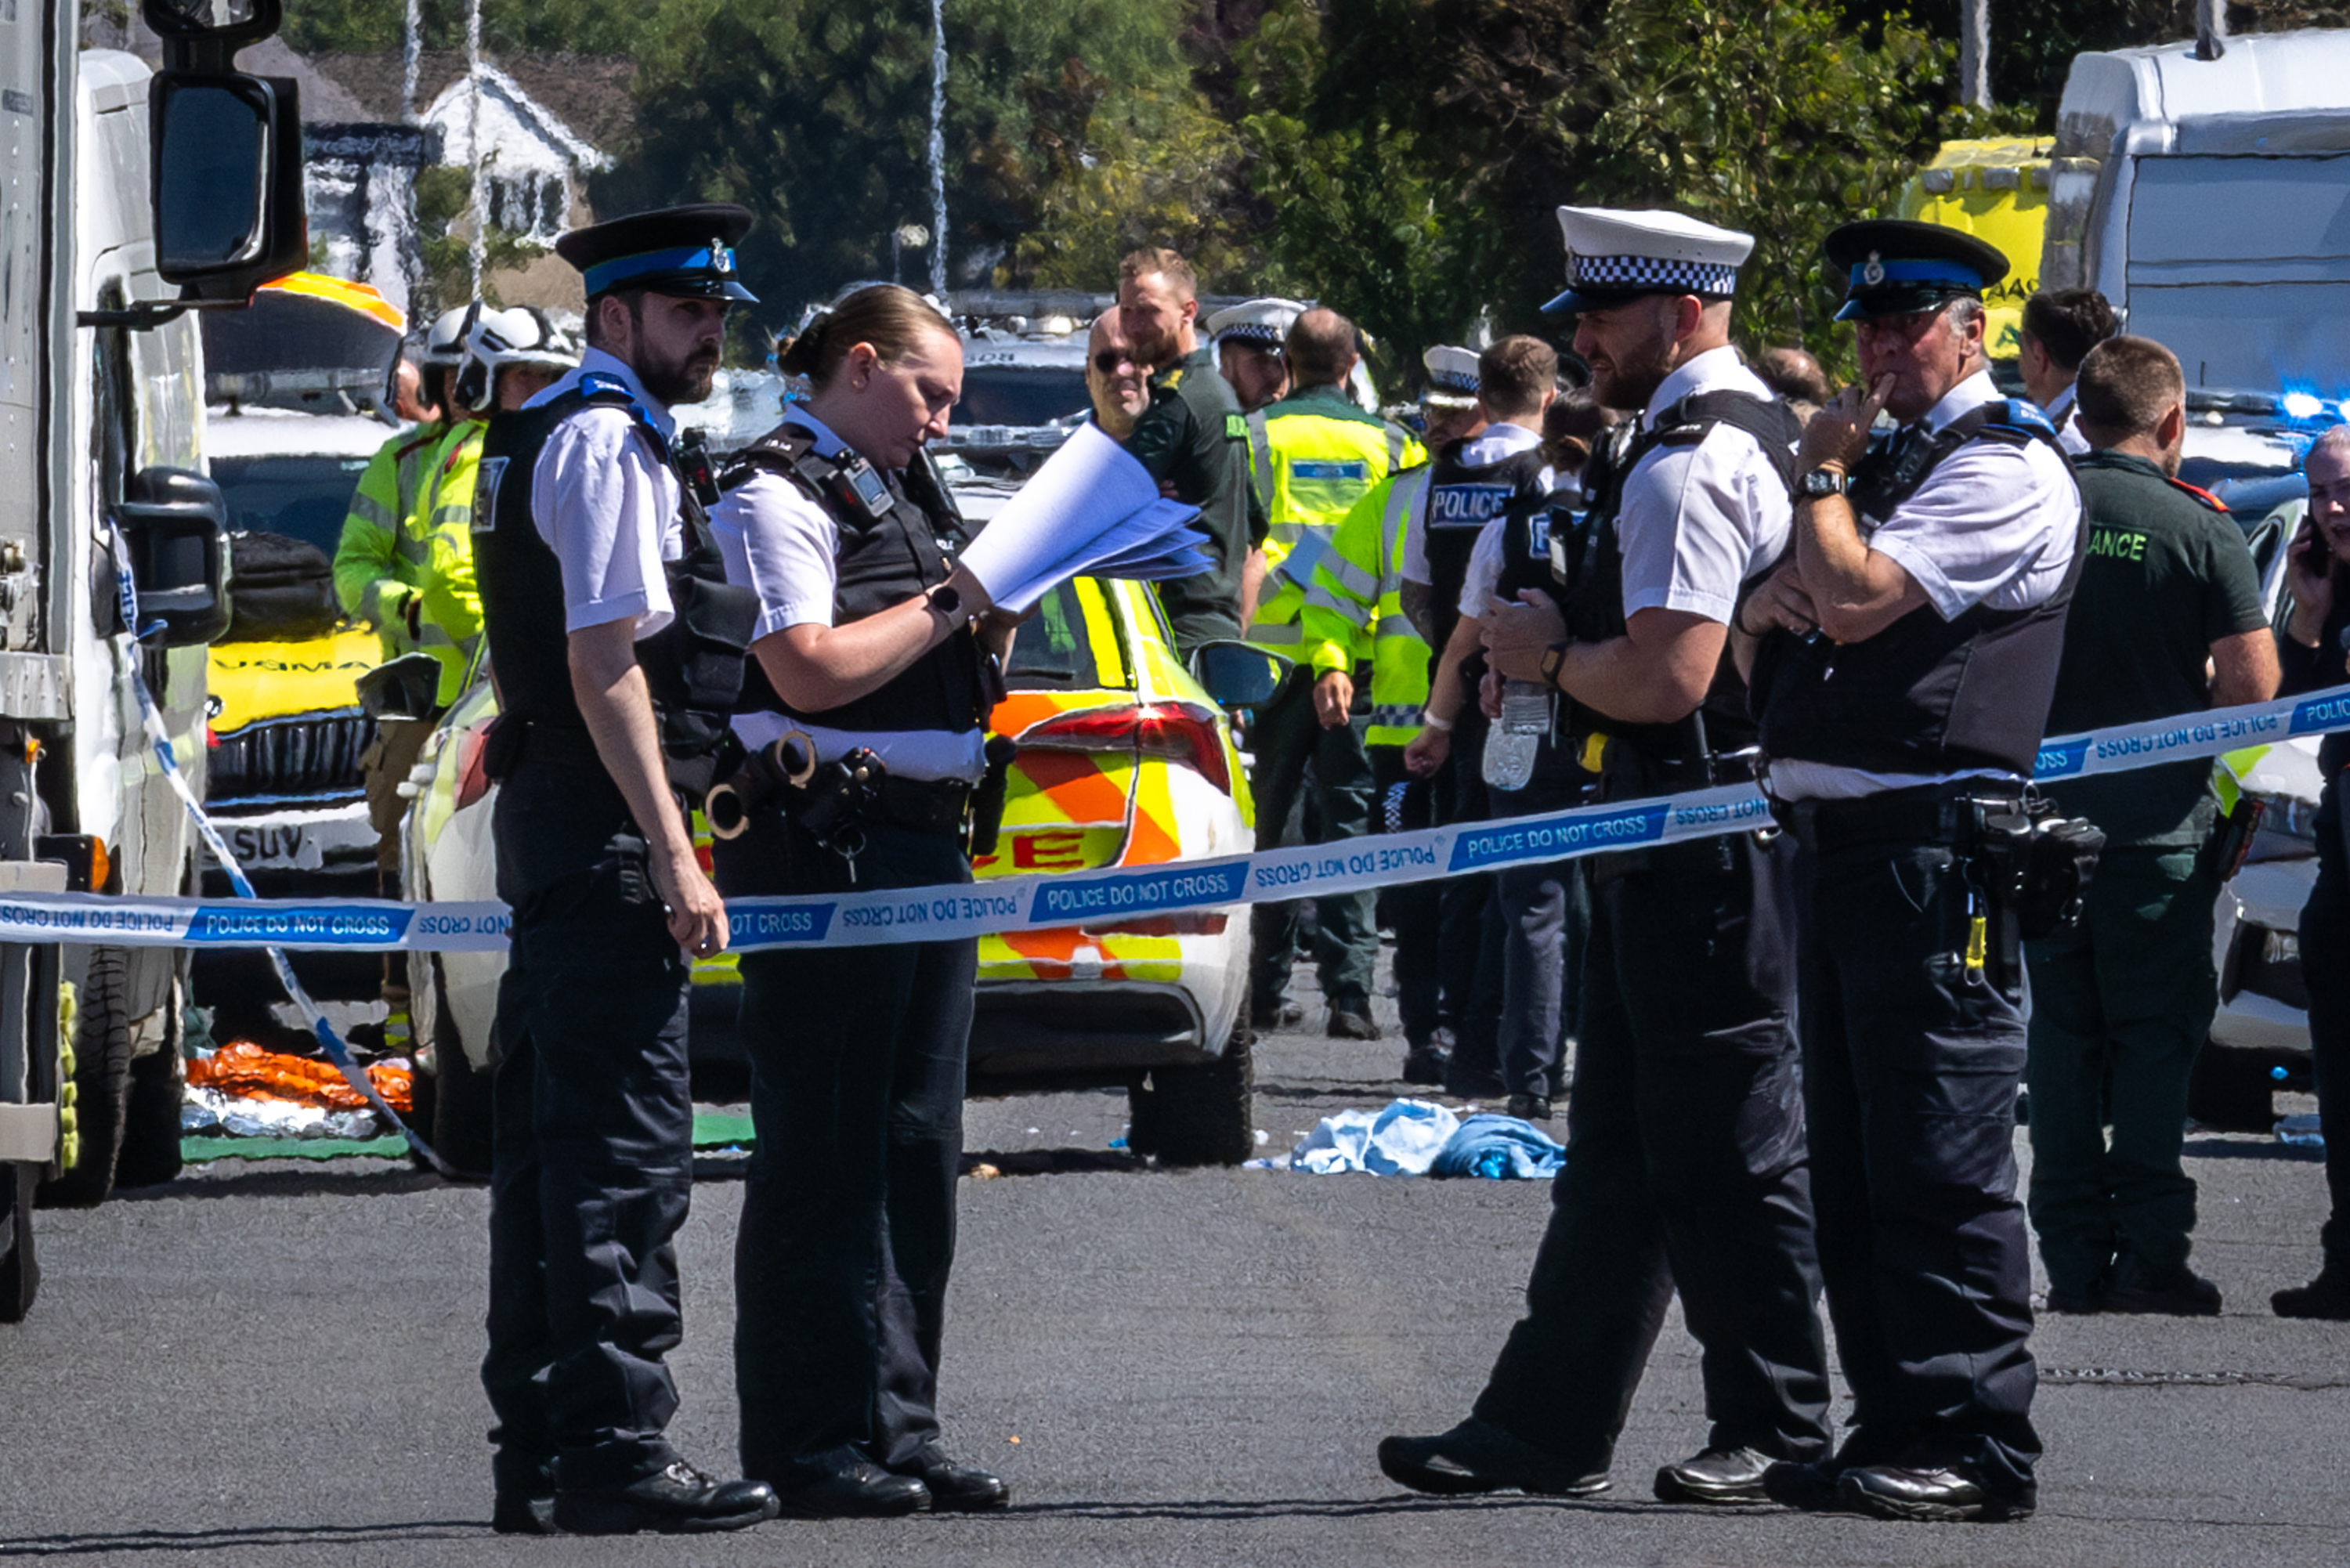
(1484, 570)
(608, 511)
(1994, 525)
(1698, 521)
(779, 544)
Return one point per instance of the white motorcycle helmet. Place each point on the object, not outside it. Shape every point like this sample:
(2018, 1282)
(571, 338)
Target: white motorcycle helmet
(444, 344)
(520, 334)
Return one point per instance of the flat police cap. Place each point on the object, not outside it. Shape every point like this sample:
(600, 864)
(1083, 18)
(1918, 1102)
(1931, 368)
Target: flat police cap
(1896, 267)
(1613, 256)
(685, 251)
(1263, 322)
(1452, 376)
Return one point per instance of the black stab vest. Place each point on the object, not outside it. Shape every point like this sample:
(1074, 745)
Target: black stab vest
(1925, 695)
(1585, 571)
(694, 667)
(882, 563)
(1462, 498)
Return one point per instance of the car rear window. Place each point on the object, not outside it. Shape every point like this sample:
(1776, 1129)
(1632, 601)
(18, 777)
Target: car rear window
(1051, 651)
(305, 496)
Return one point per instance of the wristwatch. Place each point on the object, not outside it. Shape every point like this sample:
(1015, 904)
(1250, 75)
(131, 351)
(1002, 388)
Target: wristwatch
(1815, 483)
(945, 599)
(1553, 656)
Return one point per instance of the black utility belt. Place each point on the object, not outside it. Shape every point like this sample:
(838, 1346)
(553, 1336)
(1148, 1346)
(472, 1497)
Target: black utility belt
(1938, 813)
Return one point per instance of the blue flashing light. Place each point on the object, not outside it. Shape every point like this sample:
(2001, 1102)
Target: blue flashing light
(2301, 406)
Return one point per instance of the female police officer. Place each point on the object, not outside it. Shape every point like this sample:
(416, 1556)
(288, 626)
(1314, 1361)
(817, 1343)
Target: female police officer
(866, 643)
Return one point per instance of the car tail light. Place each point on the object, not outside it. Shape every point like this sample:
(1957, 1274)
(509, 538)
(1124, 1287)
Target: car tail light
(1179, 731)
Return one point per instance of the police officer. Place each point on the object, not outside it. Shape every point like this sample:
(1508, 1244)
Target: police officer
(1251, 338)
(1192, 439)
(1685, 1160)
(1914, 648)
(1510, 1026)
(1325, 453)
(869, 664)
(619, 648)
(2121, 1004)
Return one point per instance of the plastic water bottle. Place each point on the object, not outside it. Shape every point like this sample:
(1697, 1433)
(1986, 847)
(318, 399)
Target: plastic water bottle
(1510, 743)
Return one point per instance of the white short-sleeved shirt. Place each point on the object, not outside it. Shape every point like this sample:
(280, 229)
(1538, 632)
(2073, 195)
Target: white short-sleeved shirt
(1499, 441)
(1993, 525)
(1697, 522)
(2066, 419)
(781, 544)
(607, 507)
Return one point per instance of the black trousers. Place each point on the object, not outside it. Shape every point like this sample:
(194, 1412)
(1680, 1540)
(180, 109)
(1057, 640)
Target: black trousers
(592, 1152)
(1415, 910)
(1286, 736)
(2325, 969)
(1685, 1167)
(1910, 1077)
(1468, 960)
(1543, 913)
(857, 1058)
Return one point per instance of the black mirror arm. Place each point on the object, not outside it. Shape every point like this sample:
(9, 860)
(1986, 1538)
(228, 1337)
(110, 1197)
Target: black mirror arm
(147, 315)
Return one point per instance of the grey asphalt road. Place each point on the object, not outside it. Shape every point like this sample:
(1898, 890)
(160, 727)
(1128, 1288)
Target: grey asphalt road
(274, 1364)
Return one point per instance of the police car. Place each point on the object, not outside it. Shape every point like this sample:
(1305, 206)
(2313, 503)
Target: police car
(1124, 760)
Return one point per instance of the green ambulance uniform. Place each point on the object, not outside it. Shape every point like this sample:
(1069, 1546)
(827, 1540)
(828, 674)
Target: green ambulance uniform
(2125, 999)
(1194, 437)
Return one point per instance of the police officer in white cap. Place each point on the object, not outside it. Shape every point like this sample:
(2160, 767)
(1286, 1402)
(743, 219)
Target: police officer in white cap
(1685, 1161)
(1248, 339)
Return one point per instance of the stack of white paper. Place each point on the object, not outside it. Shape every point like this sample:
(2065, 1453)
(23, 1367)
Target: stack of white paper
(1089, 510)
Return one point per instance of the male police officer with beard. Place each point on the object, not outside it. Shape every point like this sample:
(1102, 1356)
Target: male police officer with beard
(618, 650)
(1913, 648)
(1685, 1162)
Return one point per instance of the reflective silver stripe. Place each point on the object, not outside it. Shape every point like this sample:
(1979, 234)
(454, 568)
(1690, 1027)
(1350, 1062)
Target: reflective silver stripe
(1397, 440)
(1276, 634)
(1402, 497)
(431, 634)
(1352, 578)
(1397, 625)
(1284, 533)
(1321, 596)
(368, 509)
(1260, 458)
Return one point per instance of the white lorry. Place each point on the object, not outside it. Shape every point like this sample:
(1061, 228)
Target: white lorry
(2208, 198)
(130, 199)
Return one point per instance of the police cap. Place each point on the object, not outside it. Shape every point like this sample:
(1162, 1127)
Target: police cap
(1452, 380)
(1898, 267)
(1264, 323)
(1614, 256)
(684, 251)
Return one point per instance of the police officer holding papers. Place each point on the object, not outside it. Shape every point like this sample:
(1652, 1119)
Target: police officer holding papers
(877, 664)
(619, 653)
(1685, 1161)
(1902, 688)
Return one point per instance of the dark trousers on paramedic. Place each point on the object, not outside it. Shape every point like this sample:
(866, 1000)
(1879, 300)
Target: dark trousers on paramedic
(848, 1215)
(1287, 735)
(1415, 910)
(1910, 1072)
(1685, 1167)
(592, 1149)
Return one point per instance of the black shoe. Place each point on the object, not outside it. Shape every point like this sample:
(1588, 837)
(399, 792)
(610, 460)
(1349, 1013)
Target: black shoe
(1425, 1065)
(1943, 1496)
(1717, 1475)
(1530, 1107)
(1279, 1015)
(2179, 1292)
(679, 1499)
(2326, 1296)
(524, 1513)
(1478, 1456)
(2076, 1303)
(1807, 1486)
(848, 1485)
(955, 1488)
(1351, 1023)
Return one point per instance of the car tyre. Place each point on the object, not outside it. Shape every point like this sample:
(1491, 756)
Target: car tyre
(158, 1090)
(20, 1271)
(1202, 1115)
(101, 1080)
(461, 1115)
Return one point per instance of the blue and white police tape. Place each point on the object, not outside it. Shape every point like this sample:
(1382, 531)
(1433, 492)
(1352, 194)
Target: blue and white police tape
(1103, 900)
(256, 926)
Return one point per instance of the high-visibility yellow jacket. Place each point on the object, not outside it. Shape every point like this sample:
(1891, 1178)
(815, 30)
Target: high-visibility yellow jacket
(1356, 595)
(1325, 455)
(408, 540)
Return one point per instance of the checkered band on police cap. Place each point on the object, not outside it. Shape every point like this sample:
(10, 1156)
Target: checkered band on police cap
(1265, 322)
(1451, 369)
(1650, 275)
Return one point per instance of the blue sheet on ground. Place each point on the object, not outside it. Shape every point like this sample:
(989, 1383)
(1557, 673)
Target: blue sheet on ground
(1413, 1137)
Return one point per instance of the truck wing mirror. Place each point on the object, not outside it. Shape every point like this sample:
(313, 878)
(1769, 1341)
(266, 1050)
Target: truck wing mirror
(226, 154)
(1238, 674)
(174, 528)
